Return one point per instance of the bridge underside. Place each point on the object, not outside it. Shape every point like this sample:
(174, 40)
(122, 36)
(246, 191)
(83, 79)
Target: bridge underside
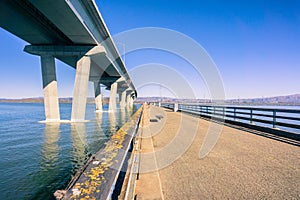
(35, 22)
(74, 32)
(91, 65)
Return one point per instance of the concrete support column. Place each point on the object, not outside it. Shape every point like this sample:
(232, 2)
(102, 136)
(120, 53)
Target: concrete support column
(80, 89)
(50, 88)
(98, 97)
(131, 101)
(113, 96)
(128, 97)
(123, 99)
(175, 107)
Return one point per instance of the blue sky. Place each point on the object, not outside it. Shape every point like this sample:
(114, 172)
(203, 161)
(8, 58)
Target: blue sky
(255, 45)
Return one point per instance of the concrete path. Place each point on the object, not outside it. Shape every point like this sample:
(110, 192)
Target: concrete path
(242, 165)
(148, 185)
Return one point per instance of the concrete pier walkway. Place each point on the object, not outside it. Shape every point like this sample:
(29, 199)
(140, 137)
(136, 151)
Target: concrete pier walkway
(242, 165)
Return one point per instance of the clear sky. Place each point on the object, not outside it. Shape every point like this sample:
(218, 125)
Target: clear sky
(255, 45)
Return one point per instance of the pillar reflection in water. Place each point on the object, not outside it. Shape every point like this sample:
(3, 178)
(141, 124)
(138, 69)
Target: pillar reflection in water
(123, 115)
(98, 131)
(50, 147)
(99, 120)
(49, 169)
(129, 110)
(78, 135)
(112, 122)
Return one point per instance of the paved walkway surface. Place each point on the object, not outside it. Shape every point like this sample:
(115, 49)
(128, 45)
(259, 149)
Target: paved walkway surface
(241, 165)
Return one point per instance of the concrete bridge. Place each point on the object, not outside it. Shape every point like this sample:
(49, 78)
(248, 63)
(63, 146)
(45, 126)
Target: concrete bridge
(74, 32)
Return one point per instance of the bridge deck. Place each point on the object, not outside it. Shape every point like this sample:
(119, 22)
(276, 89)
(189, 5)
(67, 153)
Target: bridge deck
(242, 165)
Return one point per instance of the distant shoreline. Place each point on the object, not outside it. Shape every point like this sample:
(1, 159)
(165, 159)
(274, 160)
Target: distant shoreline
(289, 100)
(41, 100)
(232, 104)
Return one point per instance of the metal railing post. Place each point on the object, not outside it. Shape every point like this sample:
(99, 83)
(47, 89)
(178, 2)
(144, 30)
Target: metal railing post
(175, 108)
(274, 119)
(265, 117)
(234, 114)
(251, 116)
(214, 111)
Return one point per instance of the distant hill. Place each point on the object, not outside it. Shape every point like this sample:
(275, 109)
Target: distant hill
(289, 99)
(278, 100)
(41, 100)
(25, 100)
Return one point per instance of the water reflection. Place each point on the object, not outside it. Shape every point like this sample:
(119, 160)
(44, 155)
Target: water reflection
(122, 115)
(112, 122)
(98, 130)
(78, 136)
(45, 178)
(99, 120)
(130, 110)
(50, 148)
(45, 156)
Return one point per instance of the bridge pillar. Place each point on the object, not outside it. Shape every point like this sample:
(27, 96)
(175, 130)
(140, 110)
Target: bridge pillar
(98, 97)
(131, 101)
(113, 96)
(175, 107)
(51, 104)
(128, 99)
(80, 89)
(123, 99)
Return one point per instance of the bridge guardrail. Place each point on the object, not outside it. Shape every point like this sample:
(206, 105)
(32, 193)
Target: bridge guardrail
(97, 179)
(286, 122)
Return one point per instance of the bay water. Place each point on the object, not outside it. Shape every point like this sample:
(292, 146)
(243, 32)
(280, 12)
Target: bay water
(36, 159)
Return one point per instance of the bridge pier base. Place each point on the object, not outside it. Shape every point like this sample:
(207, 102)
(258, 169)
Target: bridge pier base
(98, 98)
(51, 103)
(123, 99)
(113, 96)
(129, 100)
(80, 89)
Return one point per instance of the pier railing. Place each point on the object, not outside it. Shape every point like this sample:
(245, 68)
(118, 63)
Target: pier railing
(285, 122)
(99, 177)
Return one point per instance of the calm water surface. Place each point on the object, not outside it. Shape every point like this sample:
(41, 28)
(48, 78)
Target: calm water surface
(36, 159)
